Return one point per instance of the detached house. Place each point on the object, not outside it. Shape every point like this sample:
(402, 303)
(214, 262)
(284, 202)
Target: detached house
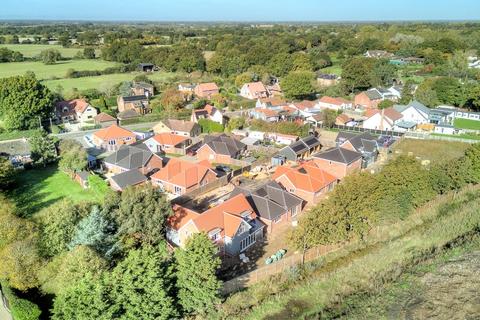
(414, 112)
(136, 156)
(268, 115)
(104, 120)
(363, 143)
(371, 98)
(206, 90)
(382, 119)
(307, 181)
(208, 112)
(75, 110)
(168, 143)
(180, 176)
(178, 127)
(336, 104)
(126, 179)
(273, 205)
(306, 108)
(339, 162)
(233, 225)
(220, 149)
(137, 103)
(112, 138)
(271, 103)
(254, 90)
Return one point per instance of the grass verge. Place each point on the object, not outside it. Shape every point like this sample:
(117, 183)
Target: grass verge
(361, 266)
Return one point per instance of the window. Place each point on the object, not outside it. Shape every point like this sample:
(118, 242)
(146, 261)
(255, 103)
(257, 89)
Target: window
(247, 242)
(178, 190)
(243, 228)
(112, 142)
(215, 236)
(277, 219)
(294, 211)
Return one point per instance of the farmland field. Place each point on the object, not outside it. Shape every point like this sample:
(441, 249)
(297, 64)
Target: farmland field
(104, 82)
(33, 50)
(57, 70)
(435, 151)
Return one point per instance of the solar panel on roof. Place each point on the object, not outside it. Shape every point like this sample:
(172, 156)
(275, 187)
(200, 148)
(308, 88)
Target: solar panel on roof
(298, 147)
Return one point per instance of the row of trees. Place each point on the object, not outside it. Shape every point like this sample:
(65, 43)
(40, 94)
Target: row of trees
(110, 260)
(363, 200)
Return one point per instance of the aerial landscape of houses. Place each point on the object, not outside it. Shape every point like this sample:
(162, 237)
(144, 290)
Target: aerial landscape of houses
(239, 160)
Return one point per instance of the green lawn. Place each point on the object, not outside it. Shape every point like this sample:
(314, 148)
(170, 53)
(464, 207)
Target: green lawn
(40, 187)
(33, 50)
(467, 124)
(57, 70)
(10, 135)
(459, 136)
(105, 82)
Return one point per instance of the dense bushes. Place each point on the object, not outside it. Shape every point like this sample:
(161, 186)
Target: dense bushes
(21, 309)
(71, 73)
(291, 128)
(362, 199)
(209, 126)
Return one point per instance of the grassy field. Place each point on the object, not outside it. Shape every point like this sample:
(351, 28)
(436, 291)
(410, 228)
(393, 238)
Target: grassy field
(104, 82)
(433, 150)
(459, 136)
(466, 124)
(41, 187)
(57, 70)
(385, 255)
(33, 50)
(11, 135)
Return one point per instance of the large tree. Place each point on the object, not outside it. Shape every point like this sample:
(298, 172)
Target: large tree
(43, 150)
(197, 283)
(141, 212)
(73, 157)
(50, 56)
(298, 84)
(356, 73)
(142, 285)
(24, 101)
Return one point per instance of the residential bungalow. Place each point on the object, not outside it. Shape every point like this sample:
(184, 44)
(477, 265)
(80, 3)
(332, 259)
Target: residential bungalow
(445, 128)
(254, 90)
(127, 115)
(232, 225)
(345, 120)
(178, 127)
(363, 143)
(167, 142)
(75, 110)
(301, 149)
(307, 181)
(285, 139)
(274, 206)
(268, 115)
(206, 90)
(112, 138)
(134, 156)
(306, 108)
(414, 112)
(126, 179)
(220, 149)
(104, 120)
(382, 119)
(208, 112)
(327, 80)
(272, 103)
(143, 89)
(339, 162)
(181, 176)
(138, 103)
(336, 104)
(371, 98)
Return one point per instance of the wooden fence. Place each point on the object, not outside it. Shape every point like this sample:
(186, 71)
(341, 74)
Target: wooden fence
(283, 265)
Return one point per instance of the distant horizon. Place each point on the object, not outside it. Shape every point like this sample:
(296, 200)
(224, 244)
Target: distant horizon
(227, 11)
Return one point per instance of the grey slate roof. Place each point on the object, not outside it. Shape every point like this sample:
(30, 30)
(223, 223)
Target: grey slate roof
(129, 178)
(224, 144)
(415, 104)
(130, 156)
(270, 201)
(363, 142)
(141, 97)
(373, 94)
(303, 145)
(83, 175)
(340, 155)
(15, 148)
(127, 114)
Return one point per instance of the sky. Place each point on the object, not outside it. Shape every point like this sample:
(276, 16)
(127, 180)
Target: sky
(240, 10)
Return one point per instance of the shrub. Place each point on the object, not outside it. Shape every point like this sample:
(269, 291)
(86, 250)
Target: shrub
(209, 126)
(21, 309)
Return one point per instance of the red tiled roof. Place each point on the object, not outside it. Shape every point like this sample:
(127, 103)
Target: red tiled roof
(256, 87)
(182, 173)
(305, 104)
(76, 105)
(390, 113)
(104, 117)
(267, 112)
(209, 86)
(227, 216)
(308, 176)
(343, 118)
(169, 139)
(113, 132)
(335, 101)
